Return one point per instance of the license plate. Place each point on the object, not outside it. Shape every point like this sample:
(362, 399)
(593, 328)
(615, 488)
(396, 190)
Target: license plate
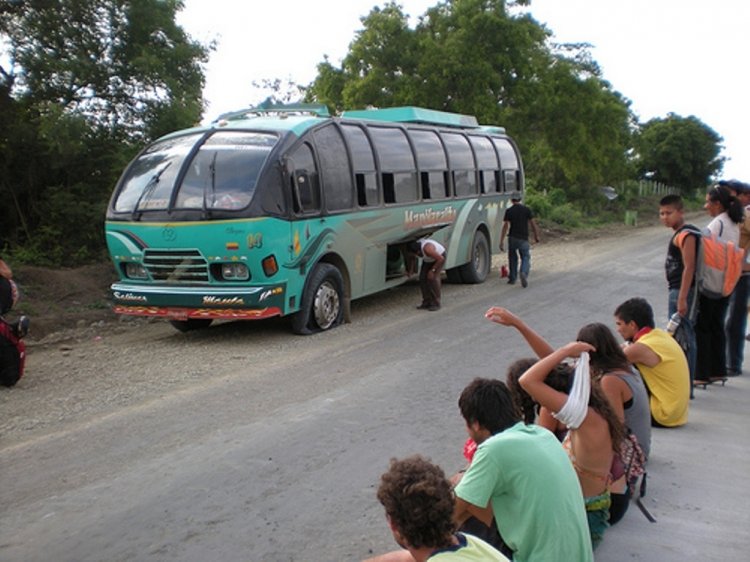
(177, 314)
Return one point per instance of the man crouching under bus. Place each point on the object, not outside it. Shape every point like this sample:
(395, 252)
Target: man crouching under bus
(433, 259)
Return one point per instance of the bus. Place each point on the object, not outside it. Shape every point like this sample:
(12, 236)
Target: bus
(285, 210)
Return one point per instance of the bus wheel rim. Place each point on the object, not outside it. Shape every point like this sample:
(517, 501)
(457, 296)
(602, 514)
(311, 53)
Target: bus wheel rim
(326, 305)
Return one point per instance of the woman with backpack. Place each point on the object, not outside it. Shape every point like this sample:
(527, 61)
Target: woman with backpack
(727, 215)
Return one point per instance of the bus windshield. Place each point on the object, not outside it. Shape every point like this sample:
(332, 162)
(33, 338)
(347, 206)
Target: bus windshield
(222, 174)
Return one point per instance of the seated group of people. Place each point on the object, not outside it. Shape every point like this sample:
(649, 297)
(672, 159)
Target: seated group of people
(546, 448)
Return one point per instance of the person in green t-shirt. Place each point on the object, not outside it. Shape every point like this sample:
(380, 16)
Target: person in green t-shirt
(521, 475)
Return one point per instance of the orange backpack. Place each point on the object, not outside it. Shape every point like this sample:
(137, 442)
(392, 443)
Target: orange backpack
(718, 264)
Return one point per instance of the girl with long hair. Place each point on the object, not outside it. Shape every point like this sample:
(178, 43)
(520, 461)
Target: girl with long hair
(727, 213)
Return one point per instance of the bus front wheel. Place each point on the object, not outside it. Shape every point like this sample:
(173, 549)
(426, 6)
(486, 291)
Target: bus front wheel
(478, 268)
(322, 302)
(192, 324)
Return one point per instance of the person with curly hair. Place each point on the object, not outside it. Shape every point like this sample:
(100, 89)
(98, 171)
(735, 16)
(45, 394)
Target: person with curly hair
(419, 506)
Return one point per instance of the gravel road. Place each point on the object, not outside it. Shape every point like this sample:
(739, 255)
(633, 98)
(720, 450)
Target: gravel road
(79, 374)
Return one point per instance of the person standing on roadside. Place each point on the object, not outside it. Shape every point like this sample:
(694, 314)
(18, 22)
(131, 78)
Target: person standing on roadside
(680, 267)
(433, 259)
(727, 214)
(737, 314)
(516, 222)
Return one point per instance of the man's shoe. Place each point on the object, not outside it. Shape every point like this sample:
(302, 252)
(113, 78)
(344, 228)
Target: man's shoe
(524, 281)
(733, 373)
(513, 282)
(433, 307)
(22, 326)
(423, 306)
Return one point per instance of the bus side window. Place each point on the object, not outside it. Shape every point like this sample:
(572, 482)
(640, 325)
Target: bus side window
(486, 162)
(462, 164)
(389, 188)
(432, 162)
(397, 168)
(510, 178)
(508, 162)
(335, 170)
(304, 175)
(363, 162)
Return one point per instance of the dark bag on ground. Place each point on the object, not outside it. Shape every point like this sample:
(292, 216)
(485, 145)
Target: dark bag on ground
(12, 355)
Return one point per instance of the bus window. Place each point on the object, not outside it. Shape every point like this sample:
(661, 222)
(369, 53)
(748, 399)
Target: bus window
(364, 165)
(508, 158)
(432, 164)
(510, 178)
(305, 185)
(462, 164)
(396, 165)
(486, 163)
(150, 179)
(224, 172)
(334, 169)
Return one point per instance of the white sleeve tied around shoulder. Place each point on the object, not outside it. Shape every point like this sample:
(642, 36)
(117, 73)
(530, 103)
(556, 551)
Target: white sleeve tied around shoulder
(576, 407)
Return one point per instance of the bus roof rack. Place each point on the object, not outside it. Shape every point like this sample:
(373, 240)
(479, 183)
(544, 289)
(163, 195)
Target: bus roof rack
(267, 107)
(410, 114)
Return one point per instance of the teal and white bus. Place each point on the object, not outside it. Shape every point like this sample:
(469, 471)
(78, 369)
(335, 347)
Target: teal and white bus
(287, 211)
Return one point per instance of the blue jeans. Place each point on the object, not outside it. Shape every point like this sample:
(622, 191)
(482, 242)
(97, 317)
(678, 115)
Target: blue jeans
(516, 247)
(737, 325)
(692, 353)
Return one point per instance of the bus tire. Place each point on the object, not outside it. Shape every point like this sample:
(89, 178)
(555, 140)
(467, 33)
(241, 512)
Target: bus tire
(478, 268)
(322, 302)
(191, 324)
(453, 275)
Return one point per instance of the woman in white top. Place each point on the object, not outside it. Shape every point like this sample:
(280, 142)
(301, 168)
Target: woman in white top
(727, 214)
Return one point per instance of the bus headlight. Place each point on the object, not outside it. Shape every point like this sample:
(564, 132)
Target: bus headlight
(234, 272)
(135, 271)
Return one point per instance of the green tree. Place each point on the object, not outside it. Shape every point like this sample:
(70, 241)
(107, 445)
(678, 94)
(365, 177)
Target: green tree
(489, 59)
(682, 152)
(83, 84)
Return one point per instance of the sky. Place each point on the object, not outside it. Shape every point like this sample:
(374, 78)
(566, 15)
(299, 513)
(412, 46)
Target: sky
(665, 56)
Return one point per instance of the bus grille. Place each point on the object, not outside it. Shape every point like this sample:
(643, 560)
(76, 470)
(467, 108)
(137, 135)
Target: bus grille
(176, 266)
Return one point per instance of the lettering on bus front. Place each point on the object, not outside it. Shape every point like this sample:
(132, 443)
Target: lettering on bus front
(130, 297)
(429, 217)
(214, 301)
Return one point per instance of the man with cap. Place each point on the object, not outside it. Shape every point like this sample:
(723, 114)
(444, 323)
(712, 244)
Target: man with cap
(516, 222)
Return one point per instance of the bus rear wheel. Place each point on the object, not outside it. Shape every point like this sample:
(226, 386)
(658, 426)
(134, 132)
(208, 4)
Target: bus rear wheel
(322, 302)
(192, 324)
(478, 268)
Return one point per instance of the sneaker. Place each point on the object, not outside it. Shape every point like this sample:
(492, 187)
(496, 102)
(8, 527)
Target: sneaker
(433, 307)
(511, 282)
(22, 326)
(423, 306)
(524, 281)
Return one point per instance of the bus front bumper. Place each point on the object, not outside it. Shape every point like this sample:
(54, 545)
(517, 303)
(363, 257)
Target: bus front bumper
(185, 303)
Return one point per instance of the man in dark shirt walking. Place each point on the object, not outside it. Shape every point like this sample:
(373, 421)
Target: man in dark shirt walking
(516, 223)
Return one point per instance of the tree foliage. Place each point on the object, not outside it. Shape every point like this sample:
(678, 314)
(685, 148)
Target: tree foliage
(489, 59)
(83, 84)
(679, 151)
